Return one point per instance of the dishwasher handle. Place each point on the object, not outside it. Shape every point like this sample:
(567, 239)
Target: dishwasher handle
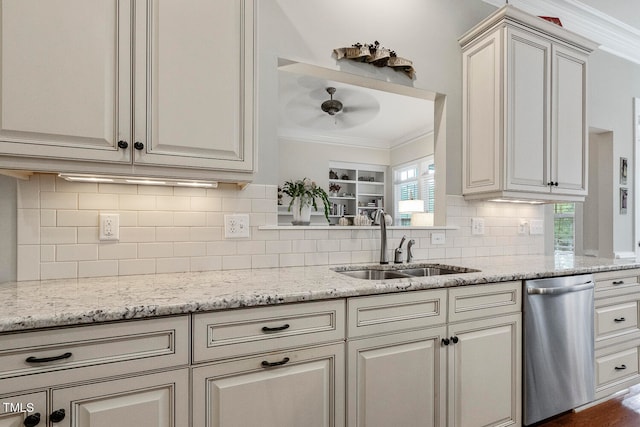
(556, 291)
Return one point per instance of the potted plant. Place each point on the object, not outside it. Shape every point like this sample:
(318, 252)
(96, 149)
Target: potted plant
(333, 189)
(304, 193)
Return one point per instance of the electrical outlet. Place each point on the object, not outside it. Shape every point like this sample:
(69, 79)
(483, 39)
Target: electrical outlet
(536, 226)
(477, 226)
(522, 226)
(236, 226)
(437, 238)
(109, 226)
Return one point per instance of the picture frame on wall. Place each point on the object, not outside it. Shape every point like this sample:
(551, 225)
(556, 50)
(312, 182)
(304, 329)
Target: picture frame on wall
(624, 167)
(624, 200)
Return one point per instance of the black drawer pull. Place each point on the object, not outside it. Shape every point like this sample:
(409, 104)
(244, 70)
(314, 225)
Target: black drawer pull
(266, 364)
(276, 329)
(33, 359)
(620, 368)
(618, 282)
(32, 420)
(619, 319)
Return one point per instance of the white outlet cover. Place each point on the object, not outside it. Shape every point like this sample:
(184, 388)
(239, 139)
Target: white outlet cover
(109, 226)
(438, 238)
(477, 226)
(236, 226)
(536, 226)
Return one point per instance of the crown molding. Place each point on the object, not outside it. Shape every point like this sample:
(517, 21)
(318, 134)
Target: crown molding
(613, 36)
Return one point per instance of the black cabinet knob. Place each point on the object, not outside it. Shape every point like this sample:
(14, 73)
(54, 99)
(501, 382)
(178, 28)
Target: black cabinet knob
(455, 340)
(57, 416)
(32, 420)
(123, 144)
(138, 145)
(555, 183)
(445, 341)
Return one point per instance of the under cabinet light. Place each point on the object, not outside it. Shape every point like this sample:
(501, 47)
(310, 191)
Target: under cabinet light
(531, 202)
(136, 180)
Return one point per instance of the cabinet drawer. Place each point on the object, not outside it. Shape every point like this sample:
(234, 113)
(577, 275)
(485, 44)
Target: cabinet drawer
(119, 348)
(616, 318)
(223, 334)
(382, 314)
(468, 302)
(616, 367)
(618, 282)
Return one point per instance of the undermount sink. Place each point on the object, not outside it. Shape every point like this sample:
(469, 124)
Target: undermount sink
(378, 273)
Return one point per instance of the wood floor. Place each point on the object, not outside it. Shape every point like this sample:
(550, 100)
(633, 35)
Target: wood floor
(623, 411)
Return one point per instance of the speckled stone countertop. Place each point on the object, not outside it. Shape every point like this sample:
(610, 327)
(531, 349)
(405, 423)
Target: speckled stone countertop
(37, 304)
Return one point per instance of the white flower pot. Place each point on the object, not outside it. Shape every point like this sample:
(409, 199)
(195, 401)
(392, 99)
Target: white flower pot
(301, 214)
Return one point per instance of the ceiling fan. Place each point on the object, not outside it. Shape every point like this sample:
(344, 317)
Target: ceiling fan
(331, 106)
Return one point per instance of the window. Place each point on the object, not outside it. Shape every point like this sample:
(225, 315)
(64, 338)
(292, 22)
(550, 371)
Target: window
(414, 180)
(564, 228)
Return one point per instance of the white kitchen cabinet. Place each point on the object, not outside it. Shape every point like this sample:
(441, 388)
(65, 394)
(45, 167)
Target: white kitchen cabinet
(300, 387)
(617, 331)
(524, 109)
(130, 88)
(28, 409)
(398, 379)
(277, 366)
(485, 368)
(98, 375)
(436, 358)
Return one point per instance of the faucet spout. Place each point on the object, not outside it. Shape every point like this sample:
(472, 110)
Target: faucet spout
(383, 237)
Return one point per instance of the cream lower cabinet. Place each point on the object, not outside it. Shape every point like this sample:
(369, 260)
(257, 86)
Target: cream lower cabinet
(128, 88)
(277, 366)
(484, 361)
(301, 387)
(436, 358)
(128, 374)
(153, 400)
(617, 331)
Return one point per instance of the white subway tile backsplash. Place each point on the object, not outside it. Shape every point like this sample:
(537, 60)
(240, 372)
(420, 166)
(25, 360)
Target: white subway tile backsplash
(136, 266)
(171, 229)
(111, 250)
(58, 270)
(155, 250)
(58, 235)
(84, 252)
(98, 201)
(28, 221)
(137, 202)
(97, 268)
(28, 260)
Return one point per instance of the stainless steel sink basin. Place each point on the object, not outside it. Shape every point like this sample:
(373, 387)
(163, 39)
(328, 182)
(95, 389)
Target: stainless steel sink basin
(428, 271)
(377, 273)
(374, 274)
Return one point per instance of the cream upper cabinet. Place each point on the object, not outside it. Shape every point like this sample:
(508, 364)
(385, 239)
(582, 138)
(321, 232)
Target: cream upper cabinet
(524, 109)
(119, 87)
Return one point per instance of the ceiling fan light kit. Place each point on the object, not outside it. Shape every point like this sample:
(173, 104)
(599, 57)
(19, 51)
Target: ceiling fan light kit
(331, 106)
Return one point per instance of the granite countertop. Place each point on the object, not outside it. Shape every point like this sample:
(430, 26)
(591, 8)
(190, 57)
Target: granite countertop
(37, 304)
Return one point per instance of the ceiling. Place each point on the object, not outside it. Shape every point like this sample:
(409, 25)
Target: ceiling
(369, 118)
(380, 119)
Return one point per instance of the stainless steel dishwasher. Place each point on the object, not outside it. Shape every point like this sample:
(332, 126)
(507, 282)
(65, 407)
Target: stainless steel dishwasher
(558, 345)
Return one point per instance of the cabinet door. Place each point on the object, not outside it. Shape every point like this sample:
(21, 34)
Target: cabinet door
(484, 386)
(194, 83)
(154, 400)
(569, 134)
(19, 410)
(302, 388)
(397, 380)
(65, 79)
(528, 100)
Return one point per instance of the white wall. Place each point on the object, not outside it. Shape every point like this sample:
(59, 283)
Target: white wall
(418, 148)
